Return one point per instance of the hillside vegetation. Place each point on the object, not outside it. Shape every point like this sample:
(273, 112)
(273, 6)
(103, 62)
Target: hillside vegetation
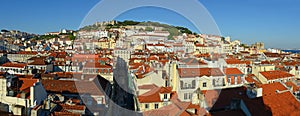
(173, 30)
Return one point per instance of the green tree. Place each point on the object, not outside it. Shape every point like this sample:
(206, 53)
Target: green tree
(72, 37)
(173, 32)
(149, 29)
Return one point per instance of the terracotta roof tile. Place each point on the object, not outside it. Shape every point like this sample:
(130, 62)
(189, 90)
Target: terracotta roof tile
(17, 65)
(200, 45)
(202, 55)
(38, 62)
(291, 63)
(175, 109)
(282, 102)
(97, 65)
(153, 95)
(293, 85)
(26, 83)
(72, 107)
(270, 75)
(28, 52)
(235, 61)
(251, 78)
(64, 86)
(232, 71)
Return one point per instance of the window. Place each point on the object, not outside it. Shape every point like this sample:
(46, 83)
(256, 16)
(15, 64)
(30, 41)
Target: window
(155, 106)
(181, 84)
(204, 84)
(193, 83)
(99, 100)
(146, 106)
(190, 95)
(165, 96)
(185, 96)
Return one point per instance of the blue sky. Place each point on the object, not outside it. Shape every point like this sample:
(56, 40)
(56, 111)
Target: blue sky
(275, 22)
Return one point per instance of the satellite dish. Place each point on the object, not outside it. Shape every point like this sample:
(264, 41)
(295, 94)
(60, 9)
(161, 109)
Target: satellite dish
(8, 84)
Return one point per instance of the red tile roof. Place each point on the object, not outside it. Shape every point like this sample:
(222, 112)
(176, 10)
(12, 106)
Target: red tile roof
(202, 55)
(293, 85)
(62, 86)
(270, 89)
(38, 62)
(282, 103)
(142, 70)
(250, 79)
(72, 107)
(177, 108)
(235, 61)
(16, 65)
(169, 110)
(291, 63)
(154, 95)
(58, 54)
(200, 45)
(269, 54)
(270, 75)
(232, 71)
(27, 83)
(28, 52)
(194, 72)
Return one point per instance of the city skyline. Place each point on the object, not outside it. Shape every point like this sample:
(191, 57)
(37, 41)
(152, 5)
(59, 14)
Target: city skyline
(268, 21)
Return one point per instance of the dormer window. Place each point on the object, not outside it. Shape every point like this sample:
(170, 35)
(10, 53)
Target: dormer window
(204, 84)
